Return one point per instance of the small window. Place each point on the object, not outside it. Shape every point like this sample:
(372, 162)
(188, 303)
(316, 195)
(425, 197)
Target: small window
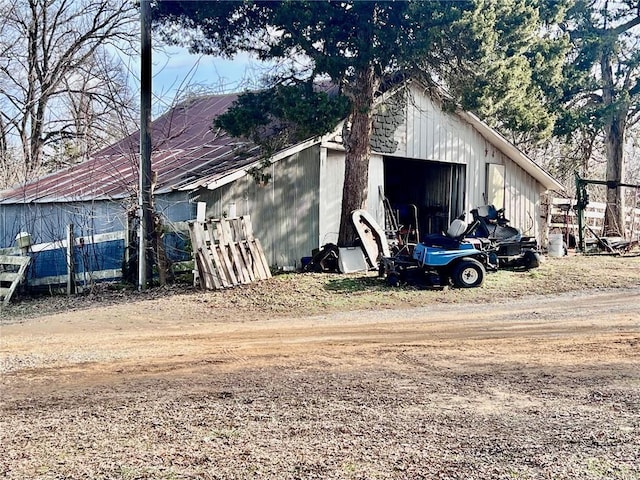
(495, 185)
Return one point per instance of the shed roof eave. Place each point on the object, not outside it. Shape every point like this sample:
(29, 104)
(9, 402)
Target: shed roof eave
(43, 200)
(227, 178)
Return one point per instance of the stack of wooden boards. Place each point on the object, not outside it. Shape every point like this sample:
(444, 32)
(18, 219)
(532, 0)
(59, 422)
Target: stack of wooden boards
(12, 269)
(226, 253)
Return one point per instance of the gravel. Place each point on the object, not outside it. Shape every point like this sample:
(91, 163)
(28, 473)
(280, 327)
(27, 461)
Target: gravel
(536, 375)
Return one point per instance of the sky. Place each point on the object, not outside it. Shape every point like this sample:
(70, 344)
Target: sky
(176, 72)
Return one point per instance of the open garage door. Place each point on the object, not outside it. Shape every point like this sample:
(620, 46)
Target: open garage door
(436, 189)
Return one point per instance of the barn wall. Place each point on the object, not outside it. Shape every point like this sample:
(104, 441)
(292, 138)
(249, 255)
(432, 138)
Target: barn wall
(429, 133)
(284, 211)
(175, 207)
(522, 200)
(331, 183)
(47, 222)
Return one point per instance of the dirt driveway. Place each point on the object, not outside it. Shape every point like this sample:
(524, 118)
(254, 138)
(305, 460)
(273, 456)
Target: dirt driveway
(176, 388)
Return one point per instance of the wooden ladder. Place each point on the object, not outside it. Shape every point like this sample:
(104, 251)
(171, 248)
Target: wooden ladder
(12, 269)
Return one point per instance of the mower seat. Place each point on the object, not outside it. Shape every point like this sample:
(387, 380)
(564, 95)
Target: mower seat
(488, 212)
(436, 240)
(457, 229)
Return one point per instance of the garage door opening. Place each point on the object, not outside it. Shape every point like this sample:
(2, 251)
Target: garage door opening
(436, 190)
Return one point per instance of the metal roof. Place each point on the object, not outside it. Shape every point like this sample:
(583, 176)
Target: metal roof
(187, 153)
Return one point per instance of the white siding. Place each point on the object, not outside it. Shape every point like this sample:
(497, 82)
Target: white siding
(429, 133)
(375, 205)
(331, 182)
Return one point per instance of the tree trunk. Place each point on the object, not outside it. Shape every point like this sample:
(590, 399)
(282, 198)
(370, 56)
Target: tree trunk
(358, 150)
(160, 259)
(614, 143)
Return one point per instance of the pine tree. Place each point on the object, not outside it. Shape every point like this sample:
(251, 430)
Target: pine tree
(474, 47)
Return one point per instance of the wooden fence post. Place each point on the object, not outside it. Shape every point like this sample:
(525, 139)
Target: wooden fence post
(71, 266)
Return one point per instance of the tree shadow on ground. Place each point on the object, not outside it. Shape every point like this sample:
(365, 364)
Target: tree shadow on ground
(354, 284)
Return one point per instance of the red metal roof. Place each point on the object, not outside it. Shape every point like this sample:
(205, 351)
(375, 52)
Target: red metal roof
(186, 151)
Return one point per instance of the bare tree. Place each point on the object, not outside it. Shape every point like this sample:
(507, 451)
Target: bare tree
(56, 78)
(99, 110)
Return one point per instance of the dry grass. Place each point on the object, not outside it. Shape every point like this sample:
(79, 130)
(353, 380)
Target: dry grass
(293, 294)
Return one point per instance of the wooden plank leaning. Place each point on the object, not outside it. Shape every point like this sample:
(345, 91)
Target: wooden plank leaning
(238, 262)
(254, 245)
(218, 264)
(235, 225)
(218, 239)
(256, 263)
(12, 277)
(226, 253)
(204, 260)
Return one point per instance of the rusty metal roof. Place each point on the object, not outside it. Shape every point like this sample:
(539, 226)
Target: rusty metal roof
(187, 153)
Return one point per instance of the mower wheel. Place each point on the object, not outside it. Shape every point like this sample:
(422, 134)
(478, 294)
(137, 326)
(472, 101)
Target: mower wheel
(531, 259)
(468, 273)
(393, 279)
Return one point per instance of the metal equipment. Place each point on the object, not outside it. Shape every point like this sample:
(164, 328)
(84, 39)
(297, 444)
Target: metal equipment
(440, 260)
(507, 244)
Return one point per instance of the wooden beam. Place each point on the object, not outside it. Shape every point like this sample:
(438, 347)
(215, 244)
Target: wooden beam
(15, 277)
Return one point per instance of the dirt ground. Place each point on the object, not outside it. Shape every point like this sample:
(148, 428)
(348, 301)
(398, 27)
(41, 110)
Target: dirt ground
(536, 375)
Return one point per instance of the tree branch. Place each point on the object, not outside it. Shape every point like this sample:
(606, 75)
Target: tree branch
(625, 27)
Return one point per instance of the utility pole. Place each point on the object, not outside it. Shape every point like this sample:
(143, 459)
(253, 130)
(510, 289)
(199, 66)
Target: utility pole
(144, 199)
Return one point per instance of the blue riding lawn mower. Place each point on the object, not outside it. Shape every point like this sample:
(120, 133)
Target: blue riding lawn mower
(441, 260)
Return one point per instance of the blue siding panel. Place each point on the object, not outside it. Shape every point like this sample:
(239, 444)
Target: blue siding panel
(47, 222)
(47, 264)
(100, 256)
